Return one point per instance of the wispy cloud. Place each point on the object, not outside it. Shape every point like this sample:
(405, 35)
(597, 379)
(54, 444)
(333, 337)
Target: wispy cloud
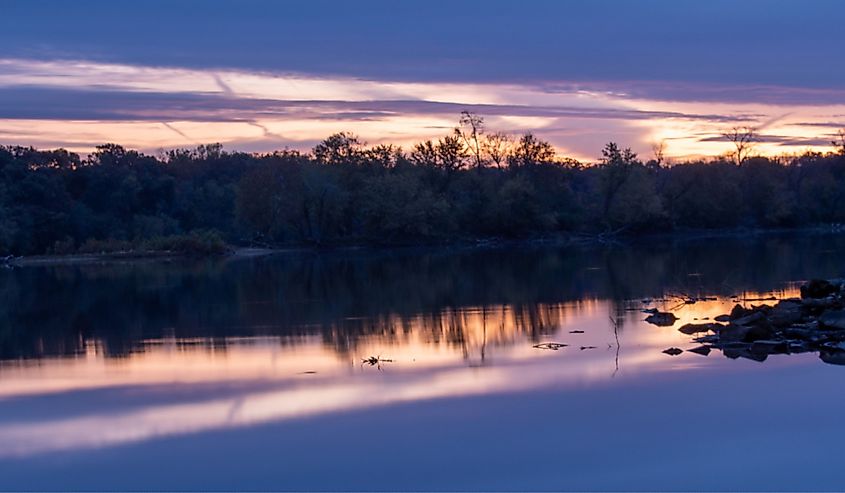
(178, 132)
(82, 101)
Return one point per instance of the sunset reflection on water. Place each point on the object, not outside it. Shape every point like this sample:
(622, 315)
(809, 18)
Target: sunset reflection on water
(253, 370)
(173, 386)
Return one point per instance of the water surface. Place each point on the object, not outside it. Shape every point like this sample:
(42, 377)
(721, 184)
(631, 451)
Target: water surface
(248, 373)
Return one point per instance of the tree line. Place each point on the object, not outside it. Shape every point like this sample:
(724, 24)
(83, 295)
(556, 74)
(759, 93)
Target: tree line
(468, 185)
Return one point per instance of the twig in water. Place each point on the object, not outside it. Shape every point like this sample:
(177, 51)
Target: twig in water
(375, 361)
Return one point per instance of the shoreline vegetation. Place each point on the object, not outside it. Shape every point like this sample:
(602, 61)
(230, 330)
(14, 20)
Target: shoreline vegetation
(472, 187)
(235, 252)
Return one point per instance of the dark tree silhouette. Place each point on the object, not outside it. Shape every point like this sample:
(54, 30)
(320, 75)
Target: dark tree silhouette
(118, 199)
(743, 139)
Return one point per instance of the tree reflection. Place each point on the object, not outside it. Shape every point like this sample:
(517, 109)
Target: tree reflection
(468, 299)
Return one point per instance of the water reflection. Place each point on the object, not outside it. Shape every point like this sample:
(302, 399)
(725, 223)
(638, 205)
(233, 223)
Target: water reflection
(177, 386)
(341, 297)
(102, 355)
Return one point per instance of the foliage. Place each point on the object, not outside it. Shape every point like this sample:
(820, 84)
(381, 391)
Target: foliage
(469, 184)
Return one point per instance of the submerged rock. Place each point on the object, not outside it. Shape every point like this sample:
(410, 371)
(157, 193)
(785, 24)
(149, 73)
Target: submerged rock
(673, 351)
(662, 319)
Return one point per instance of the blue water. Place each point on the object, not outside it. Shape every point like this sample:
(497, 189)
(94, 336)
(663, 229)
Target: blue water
(247, 374)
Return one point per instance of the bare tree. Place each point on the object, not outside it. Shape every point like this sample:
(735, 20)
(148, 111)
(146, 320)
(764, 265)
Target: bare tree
(497, 146)
(839, 141)
(743, 139)
(658, 149)
(470, 129)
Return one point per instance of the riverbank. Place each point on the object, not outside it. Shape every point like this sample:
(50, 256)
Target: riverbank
(236, 252)
(164, 255)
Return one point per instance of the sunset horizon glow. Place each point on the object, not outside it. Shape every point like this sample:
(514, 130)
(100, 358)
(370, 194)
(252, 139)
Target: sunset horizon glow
(273, 75)
(158, 108)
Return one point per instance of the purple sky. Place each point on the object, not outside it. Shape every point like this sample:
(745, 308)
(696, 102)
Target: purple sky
(261, 75)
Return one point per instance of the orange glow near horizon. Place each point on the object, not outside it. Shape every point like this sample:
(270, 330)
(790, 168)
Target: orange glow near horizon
(266, 111)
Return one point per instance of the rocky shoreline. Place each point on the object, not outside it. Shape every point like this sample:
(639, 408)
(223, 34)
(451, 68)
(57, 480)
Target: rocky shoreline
(815, 322)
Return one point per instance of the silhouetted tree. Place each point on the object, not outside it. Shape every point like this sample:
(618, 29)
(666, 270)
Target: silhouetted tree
(347, 193)
(339, 148)
(497, 147)
(471, 129)
(839, 141)
(743, 139)
(530, 150)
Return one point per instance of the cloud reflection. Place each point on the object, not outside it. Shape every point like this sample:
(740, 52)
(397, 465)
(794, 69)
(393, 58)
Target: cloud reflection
(176, 387)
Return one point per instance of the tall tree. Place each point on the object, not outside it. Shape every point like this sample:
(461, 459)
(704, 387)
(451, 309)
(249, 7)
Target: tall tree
(470, 129)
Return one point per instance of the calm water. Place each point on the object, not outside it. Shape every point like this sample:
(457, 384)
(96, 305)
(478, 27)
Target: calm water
(247, 373)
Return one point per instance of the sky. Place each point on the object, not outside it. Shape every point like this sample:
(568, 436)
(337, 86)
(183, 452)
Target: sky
(260, 75)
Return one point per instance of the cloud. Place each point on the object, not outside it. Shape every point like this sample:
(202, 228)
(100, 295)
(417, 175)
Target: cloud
(227, 89)
(81, 101)
(750, 43)
(783, 140)
(178, 132)
(56, 103)
(834, 125)
(705, 92)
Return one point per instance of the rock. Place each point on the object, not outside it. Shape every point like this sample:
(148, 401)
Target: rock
(702, 350)
(832, 320)
(673, 351)
(690, 329)
(820, 304)
(785, 313)
(744, 333)
(766, 346)
(799, 333)
(651, 310)
(756, 333)
(818, 288)
(833, 357)
(733, 332)
(744, 353)
(708, 339)
(739, 311)
(662, 319)
(723, 318)
(797, 347)
(736, 345)
(751, 319)
(834, 346)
